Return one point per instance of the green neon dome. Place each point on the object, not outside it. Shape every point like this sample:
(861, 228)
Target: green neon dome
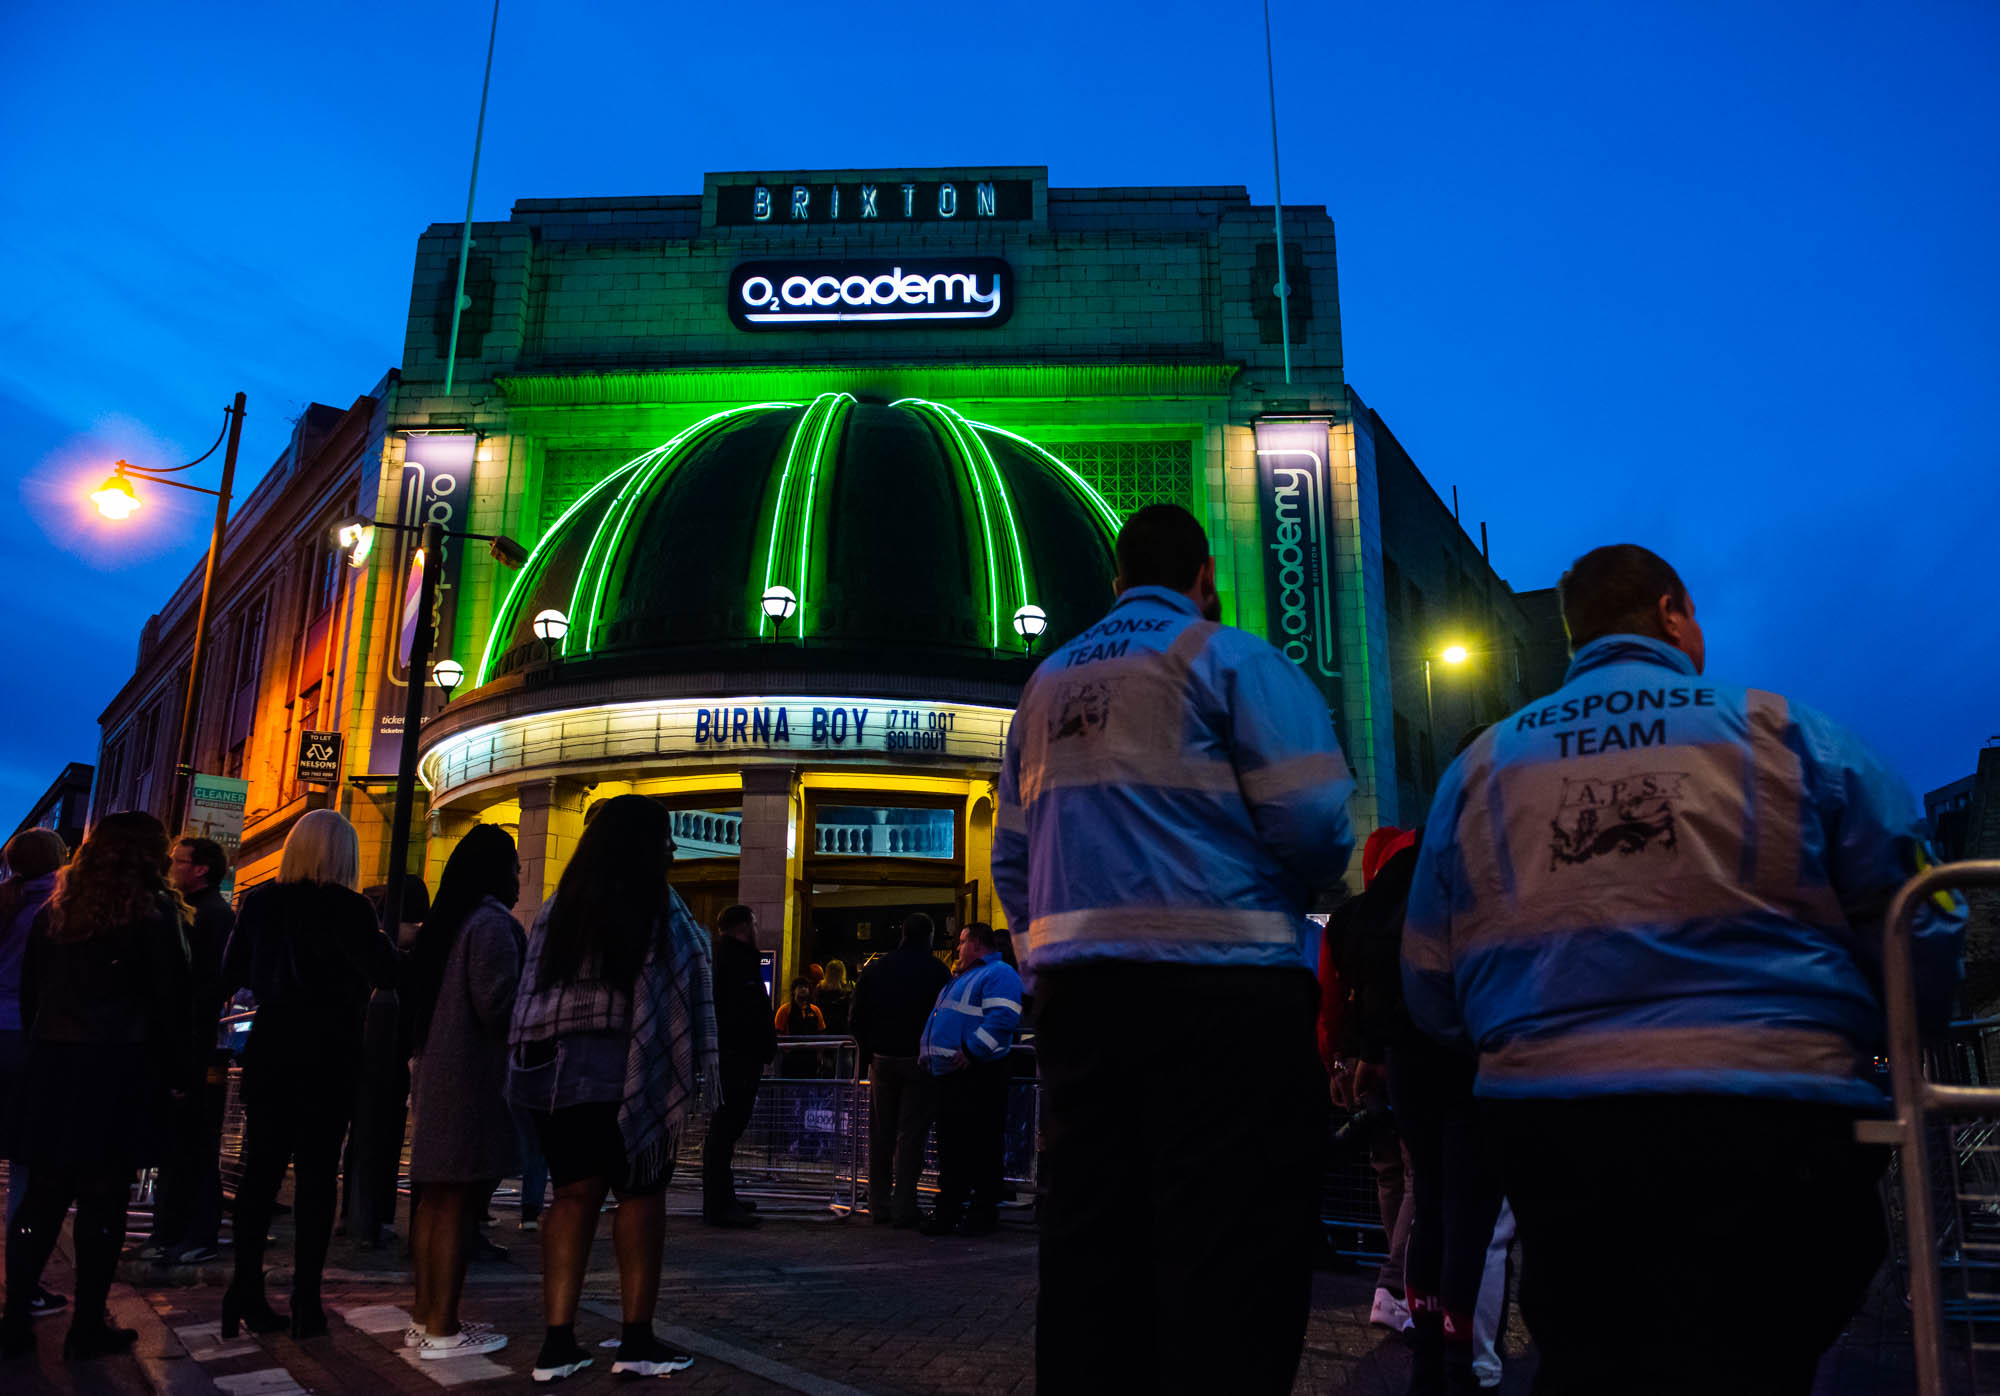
(909, 535)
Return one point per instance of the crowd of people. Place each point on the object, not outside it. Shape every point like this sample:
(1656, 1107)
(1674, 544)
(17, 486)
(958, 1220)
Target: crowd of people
(1618, 998)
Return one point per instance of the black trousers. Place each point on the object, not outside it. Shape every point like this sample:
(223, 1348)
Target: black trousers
(971, 1134)
(1180, 1193)
(187, 1207)
(300, 1127)
(725, 1127)
(374, 1159)
(101, 1193)
(1628, 1210)
(1455, 1178)
(902, 1101)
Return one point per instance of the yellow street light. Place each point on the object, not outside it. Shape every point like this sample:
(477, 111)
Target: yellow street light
(114, 498)
(1454, 654)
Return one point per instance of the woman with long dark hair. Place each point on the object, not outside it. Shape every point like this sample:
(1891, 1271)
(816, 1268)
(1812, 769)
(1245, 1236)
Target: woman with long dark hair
(458, 992)
(613, 1034)
(105, 994)
(308, 949)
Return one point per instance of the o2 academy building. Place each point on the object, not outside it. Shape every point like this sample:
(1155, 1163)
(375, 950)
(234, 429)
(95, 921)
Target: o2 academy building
(812, 467)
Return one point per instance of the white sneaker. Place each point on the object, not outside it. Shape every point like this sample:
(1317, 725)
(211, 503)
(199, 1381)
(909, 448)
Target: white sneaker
(413, 1336)
(1390, 1312)
(471, 1340)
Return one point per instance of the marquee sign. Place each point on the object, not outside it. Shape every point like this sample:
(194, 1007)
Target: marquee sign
(875, 293)
(873, 730)
(1295, 499)
(934, 201)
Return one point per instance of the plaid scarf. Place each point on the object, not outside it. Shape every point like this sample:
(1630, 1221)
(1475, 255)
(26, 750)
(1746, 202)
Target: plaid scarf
(668, 1013)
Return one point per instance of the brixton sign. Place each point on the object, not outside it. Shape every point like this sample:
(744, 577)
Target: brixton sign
(940, 201)
(882, 292)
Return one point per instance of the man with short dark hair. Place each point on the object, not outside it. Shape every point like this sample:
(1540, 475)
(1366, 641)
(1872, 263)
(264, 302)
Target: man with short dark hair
(1172, 798)
(965, 1045)
(892, 1001)
(746, 1039)
(187, 1209)
(1653, 905)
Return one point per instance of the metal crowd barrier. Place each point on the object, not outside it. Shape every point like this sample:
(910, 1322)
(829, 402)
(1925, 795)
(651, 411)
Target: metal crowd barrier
(807, 1139)
(808, 1132)
(1946, 1188)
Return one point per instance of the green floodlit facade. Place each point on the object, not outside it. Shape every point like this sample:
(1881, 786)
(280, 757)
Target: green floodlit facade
(799, 470)
(912, 408)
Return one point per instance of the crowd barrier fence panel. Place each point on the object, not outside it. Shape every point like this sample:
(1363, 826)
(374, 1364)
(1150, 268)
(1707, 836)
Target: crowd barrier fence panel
(1943, 1187)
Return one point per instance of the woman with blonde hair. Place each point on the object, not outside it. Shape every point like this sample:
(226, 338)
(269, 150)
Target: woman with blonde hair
(105, 997)
(307, 947)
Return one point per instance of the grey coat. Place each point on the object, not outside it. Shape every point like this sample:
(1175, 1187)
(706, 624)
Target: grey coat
(464, 1130)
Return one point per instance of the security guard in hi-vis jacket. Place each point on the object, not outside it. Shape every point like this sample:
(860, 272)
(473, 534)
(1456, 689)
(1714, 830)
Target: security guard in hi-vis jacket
(1172, 797)
(1653, 904)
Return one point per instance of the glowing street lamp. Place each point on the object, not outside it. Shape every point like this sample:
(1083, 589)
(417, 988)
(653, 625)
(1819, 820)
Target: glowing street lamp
(1453, 654)
(779, 602)
(1029, 623)
(356, 537)
(550, 626)
(447, 674)
(114, 498)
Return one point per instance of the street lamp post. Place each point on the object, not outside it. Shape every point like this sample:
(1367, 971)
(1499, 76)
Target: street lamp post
(356, 535)
(116, 499)
(429, 549)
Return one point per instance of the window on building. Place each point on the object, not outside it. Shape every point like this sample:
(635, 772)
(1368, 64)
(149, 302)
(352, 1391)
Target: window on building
(145, 756)
(322, 576)
(1132, 474)
(248, 671)
(306, 714)
(1392, 590)
(111, 776)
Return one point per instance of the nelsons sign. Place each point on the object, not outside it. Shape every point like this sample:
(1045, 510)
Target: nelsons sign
(960, 292)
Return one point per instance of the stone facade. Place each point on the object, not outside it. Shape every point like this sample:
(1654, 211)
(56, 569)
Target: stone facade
(1142, 343)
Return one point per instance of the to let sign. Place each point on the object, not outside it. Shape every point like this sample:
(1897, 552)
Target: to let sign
(319, 758)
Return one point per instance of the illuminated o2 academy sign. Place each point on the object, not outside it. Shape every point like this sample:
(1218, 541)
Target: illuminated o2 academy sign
(966, 292)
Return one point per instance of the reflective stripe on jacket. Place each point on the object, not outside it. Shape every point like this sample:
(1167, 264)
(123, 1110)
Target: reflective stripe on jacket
(1650, 882)
(1172, 792)
(975, 1014)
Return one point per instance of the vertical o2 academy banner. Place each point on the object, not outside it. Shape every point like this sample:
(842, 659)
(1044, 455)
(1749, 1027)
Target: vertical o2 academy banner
(436, 487)
(1295, 500)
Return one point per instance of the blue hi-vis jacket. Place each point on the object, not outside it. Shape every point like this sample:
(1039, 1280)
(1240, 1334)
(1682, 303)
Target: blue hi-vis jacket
(1172, 792)
(1650, 882)
(975, 1014)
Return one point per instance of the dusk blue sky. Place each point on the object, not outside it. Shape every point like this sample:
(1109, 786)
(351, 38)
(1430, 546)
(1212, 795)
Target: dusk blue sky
(1717, 279)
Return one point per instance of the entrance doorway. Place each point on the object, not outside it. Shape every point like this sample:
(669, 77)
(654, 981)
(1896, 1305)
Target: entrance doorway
(853, 923)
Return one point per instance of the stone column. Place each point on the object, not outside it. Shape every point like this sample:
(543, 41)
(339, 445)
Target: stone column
(443, 829)
(764, 865)
(551, 822)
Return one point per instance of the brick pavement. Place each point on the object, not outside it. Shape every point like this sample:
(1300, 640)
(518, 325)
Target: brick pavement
(807, 1303)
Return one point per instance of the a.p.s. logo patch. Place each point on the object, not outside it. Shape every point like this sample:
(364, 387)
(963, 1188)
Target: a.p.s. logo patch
(1625, 815)
(1080, 710)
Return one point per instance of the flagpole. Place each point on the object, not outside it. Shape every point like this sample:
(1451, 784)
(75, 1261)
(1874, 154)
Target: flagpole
(1278, 210)
(479, 136)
